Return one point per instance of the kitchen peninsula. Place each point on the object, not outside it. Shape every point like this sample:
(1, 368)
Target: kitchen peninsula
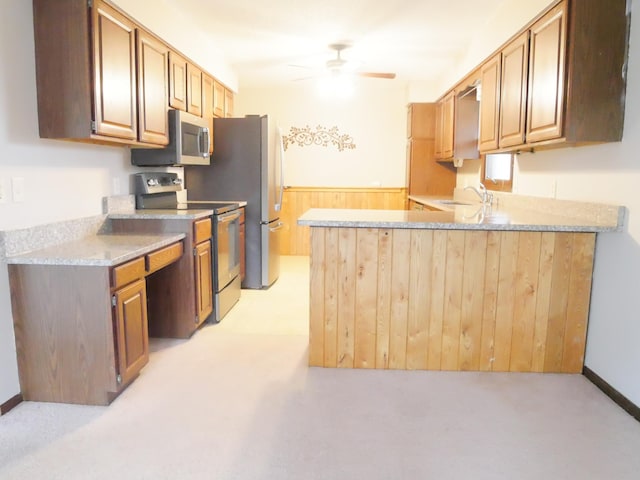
(464, 289)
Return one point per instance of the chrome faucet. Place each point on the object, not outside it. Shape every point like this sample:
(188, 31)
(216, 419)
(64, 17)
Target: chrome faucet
(485, 196)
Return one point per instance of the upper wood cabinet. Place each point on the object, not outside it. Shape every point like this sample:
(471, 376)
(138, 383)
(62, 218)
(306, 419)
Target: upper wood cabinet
(490, 103)
(545, 97)
(207, 105)
(557, 86)
(153, 86)
(228, 103)
(513, 93)
(218, 99)
(445, 116)
(115, 73)
(194, 90)
(177, 81)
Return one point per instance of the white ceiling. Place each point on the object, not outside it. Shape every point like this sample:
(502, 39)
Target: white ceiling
(416, 39)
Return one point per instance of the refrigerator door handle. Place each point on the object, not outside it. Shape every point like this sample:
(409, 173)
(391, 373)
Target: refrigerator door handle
(278, 205)
(277, 226)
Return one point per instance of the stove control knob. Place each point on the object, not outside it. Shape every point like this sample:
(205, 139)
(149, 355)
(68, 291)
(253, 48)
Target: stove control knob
(152, 182)
(177, 181)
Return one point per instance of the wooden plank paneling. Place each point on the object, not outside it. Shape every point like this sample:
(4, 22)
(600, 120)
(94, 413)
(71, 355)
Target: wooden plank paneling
(557, 315)
(504, 309)
(579, 294)
(453, 300)
(525, 295)
(545, 270)
(294, 240)
(331, 298)
(475, 250)
(437, 287)
(366, 293)
(490, 301)
(346, 295)
(383, 302)
(400, 269)
(450, 300)
(317, 298)
(419, 299)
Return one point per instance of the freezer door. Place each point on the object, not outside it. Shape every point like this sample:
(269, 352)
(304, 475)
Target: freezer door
(271, 252)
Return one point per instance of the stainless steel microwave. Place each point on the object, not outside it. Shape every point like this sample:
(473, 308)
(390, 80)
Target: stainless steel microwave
(189, 140)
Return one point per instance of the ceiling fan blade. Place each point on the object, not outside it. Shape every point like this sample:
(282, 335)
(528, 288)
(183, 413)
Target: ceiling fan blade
(389, 76)
(300, 66)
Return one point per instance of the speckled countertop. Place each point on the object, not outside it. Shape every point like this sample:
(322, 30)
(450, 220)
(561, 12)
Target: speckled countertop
(458, 217)
(157, 214)
(96, 250)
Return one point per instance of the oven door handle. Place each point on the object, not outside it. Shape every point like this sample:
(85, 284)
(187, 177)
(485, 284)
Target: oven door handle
(228, 217)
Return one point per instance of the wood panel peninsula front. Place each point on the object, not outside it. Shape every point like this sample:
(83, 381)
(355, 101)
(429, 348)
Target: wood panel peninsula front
(451, 290)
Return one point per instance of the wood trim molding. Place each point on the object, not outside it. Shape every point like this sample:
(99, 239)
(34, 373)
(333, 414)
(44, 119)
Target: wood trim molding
(622, 401)
(347, 189)
(10, 404)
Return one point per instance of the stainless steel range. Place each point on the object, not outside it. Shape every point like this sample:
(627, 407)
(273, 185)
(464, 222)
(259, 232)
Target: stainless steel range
(158, 190)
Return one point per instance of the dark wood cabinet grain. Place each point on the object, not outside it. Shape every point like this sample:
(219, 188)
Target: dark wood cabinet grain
(114, 58)
(153, 89)
(177, 81)
(490, 103)
(132, 335)
(513, 94)
(203, 279)
(194, 90)
(545, 95)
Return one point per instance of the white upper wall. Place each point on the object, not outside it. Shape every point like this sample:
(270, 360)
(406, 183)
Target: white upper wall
(169, 23)
(375, 117)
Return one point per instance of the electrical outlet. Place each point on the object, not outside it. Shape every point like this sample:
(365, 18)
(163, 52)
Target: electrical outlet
(115, 186)
(17, 187)
(3, 191)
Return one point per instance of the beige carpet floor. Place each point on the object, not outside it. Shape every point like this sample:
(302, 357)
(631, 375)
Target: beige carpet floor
(237, 401)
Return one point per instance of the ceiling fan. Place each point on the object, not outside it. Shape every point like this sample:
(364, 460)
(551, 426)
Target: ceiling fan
(339, 65)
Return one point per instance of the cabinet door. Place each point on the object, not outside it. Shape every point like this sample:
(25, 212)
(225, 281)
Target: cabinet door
(153, 96)
(114, 73)
(218, 99)
(177, 81)
(490, 103)
(194, 90)
(228, 103)
(204, 288)
(132, 334)
(546, 76)
(513, 92)
(439, 127)
(207, 105)
(448, 116)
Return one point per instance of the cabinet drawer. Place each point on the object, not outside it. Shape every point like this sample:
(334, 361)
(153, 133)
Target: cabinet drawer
(163, 257)
(127, 272)
(201, 230)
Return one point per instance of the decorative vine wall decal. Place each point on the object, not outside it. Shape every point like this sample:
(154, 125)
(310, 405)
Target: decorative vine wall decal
(322, 136)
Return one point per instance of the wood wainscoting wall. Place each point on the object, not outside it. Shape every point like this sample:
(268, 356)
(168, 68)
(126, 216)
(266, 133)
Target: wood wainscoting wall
(294, 239)
(449, 299)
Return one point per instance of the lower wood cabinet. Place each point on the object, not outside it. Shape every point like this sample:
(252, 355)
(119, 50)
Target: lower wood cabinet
(204, 280)
(243, 253)
(81, 331)
(180, 295)
(132, 333)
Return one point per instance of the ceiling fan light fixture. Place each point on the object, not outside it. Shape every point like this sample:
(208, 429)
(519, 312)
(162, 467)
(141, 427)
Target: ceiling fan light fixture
(336, 84)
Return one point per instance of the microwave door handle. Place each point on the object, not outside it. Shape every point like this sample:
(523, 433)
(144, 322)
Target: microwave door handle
(203, 142)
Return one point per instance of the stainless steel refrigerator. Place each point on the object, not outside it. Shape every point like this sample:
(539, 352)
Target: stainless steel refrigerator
(246, 165)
